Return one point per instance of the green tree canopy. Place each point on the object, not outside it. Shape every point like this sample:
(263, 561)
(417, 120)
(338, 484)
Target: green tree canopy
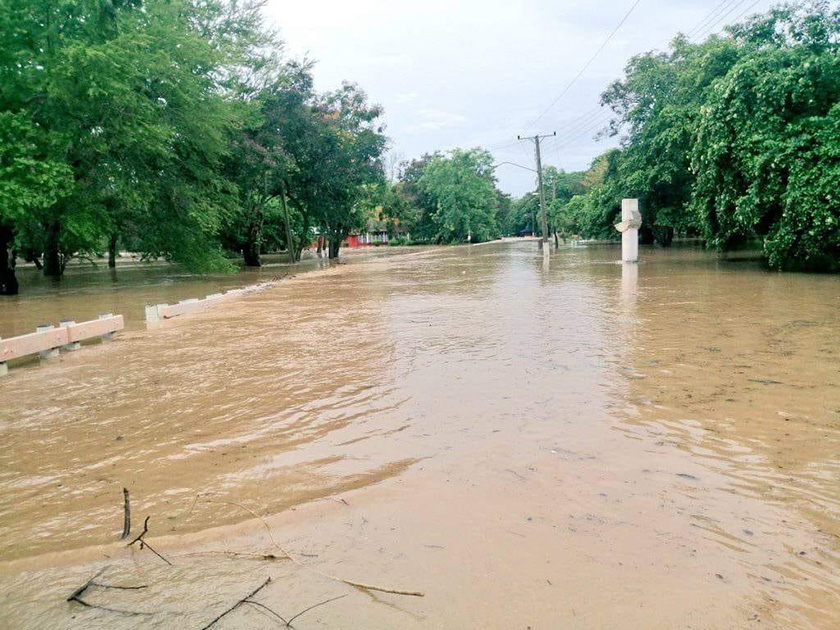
(462, 187)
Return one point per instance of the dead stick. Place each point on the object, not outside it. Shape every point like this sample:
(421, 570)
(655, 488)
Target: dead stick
(79, 600)
(143, 533)
(239, 603)
(266, 608)
(127, 519)
(144, 543)
(255, 515)
(288, 554)
(305, 610)
(152, 549)
(117, 586)
(78, 592)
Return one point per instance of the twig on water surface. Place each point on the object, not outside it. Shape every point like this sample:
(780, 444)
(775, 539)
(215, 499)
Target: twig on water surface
(192, 507)
(80, 591)
(144, 543)
(244, 600)
(127, 515)
(306, 610)
(266, 608)
(255, 515)
(143, 533)
(288, 554)
(76, 596)
(122, 588)
(237, 554)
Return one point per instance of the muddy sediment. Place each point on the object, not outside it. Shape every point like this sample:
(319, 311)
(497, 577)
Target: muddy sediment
(581, 445)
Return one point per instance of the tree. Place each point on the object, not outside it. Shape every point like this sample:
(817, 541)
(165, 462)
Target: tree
(349, 158)
(734, 138)
(137, 101)
(462, 186)
(767, 150)
(28, 183)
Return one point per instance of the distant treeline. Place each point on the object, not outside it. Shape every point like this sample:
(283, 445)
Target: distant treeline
(734, 139)
(178, 130)
(172, 128)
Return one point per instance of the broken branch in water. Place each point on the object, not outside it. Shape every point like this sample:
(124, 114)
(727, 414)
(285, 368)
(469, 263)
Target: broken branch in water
(76, 596)
(80, 591)
(126, 516)
(305, 610)
(237, 554)
(266, 608)
(144, 543)
(143, 533)
(122, 588)
(244, 600)
(287, 553)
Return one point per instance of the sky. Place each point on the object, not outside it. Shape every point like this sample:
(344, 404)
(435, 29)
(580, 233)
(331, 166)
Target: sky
(466, 73)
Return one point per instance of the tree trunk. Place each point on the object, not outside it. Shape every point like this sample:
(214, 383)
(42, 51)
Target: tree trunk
(664, 235)
(290, 241)
(8, 281)
(251, 251)
(320, 246)
(646, 235)
(112, 251)
(32, 256)
(335, 245)
(52, 255)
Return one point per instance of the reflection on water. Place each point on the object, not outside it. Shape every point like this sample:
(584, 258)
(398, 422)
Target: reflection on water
(548, 445)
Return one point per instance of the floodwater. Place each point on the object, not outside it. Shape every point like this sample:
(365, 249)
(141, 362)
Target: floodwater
(565, 444)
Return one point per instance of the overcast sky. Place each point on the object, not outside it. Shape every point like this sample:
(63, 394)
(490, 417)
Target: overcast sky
(464, 73)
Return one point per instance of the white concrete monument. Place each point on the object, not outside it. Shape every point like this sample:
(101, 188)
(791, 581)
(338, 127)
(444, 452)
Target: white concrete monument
(631, 221)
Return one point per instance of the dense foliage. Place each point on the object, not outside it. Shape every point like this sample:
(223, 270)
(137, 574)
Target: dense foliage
(173, 128)
(732, 139)
(446, 198)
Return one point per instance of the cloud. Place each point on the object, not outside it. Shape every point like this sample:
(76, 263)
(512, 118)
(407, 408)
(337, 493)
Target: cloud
(435, 120)
(479, 72)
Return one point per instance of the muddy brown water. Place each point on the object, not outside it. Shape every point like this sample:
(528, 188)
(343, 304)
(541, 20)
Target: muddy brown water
(577, 444)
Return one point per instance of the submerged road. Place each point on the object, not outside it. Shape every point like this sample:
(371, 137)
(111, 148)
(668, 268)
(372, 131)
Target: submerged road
(571, 445)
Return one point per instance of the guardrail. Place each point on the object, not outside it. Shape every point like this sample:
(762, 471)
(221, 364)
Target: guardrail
(157, 312)
(47, 340)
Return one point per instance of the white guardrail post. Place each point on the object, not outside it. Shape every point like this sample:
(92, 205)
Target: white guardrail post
(48, 353)
(73, 345)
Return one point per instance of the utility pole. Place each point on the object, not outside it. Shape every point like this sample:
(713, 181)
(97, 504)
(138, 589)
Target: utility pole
(543, 214)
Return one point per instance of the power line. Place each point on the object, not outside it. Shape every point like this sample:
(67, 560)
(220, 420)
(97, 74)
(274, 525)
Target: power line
(597, 120)
(702, 23)
(710, 28)
(587, 64)
(749, 8)
(570, 139)
(504, 144)
(582, 120)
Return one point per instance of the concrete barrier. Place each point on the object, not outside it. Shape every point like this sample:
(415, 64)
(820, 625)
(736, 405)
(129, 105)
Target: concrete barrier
(155, 313)
(47, 340)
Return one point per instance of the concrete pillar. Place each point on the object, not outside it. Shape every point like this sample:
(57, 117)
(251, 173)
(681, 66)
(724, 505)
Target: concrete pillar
(52, 352)
(630, 237)
(73, 345)
(4, 369)
(631, 221)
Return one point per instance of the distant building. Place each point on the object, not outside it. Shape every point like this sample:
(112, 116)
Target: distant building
(376, 231)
